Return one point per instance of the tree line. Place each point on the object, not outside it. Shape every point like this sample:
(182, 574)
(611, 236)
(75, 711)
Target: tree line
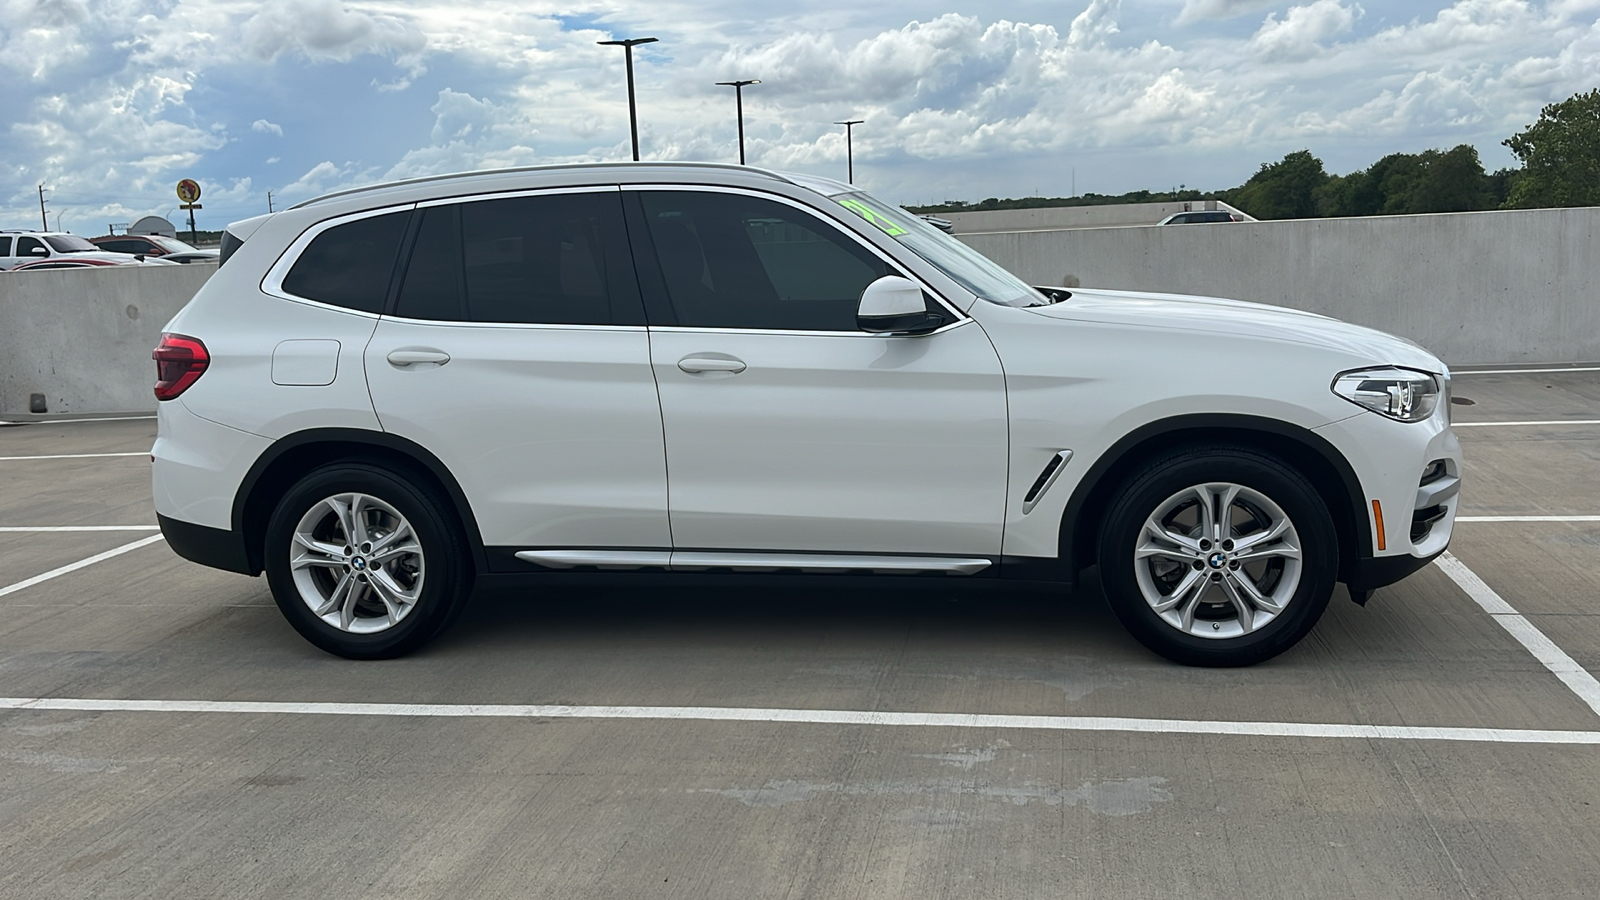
(1560, 166)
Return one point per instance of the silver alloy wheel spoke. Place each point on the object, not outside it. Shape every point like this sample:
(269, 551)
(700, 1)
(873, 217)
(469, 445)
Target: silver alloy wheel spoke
(1247, 613)
(1222, 534)
(358, 564)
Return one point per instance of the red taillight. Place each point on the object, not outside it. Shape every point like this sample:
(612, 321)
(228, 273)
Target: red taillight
(180, 361)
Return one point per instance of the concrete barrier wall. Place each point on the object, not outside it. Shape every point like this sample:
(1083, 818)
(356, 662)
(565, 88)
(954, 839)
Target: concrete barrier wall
(1075, 216)
(1486, 287)
(82, 337)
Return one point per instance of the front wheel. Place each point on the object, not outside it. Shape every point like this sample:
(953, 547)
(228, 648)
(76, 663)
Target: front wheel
(365, 564)
(1218, 557)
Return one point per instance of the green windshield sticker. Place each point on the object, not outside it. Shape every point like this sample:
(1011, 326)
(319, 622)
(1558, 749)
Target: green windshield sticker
(866, 212)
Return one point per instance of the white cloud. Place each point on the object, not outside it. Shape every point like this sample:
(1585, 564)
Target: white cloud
(1196, 10)
(326, 30)
(1303, 29)
(262, 126)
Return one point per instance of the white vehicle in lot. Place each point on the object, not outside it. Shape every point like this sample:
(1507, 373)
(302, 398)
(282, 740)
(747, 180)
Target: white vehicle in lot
(387, 395)
(55, 249)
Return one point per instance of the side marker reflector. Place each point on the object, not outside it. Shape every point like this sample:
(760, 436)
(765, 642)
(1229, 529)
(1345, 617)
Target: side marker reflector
(1377, 515)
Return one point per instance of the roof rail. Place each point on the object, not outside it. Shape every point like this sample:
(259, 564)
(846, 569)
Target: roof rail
(544, 168)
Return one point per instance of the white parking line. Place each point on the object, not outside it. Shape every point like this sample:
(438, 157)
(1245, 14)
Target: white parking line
(1543, 649)
(41, 529)
(73, 456)
(1524, 424)
(74, 421)
(816, 717)
(1528, 518)
(1546, 371)
(73, 567)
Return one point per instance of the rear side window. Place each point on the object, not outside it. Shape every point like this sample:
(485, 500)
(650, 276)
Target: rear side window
(349, 265)
(555, 259)
(5, 246)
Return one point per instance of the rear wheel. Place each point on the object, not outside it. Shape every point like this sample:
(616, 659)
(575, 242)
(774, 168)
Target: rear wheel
(1218, 557)
(364, 563)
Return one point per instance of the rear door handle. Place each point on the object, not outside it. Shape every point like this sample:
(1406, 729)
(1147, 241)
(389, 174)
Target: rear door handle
(695, 365)
(412, 356)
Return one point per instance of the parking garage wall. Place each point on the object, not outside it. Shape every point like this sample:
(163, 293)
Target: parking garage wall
(82, 337)
(1513, 286)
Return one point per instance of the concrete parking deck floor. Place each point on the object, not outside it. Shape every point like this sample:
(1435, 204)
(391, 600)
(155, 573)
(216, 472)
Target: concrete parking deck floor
(788, 743)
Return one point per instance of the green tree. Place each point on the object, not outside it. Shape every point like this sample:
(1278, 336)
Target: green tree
(1286, 189)
(1560, 156)
(1451, 181)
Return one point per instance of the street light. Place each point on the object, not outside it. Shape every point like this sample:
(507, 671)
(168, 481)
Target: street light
(738, 99)
(849, 153)
(633, 110)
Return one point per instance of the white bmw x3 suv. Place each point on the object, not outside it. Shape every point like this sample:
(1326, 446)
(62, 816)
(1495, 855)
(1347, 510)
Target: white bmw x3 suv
(387, 395)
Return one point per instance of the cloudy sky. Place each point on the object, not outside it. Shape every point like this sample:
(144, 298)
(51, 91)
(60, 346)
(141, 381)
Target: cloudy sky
(107, 103)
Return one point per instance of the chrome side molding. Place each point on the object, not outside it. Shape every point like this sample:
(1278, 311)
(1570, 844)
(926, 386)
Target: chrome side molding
(759, 561)
(602, 559)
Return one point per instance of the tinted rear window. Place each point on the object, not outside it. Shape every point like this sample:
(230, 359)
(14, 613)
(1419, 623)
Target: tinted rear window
(348, 265)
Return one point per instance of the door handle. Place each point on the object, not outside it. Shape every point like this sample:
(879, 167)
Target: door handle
(412, 356)
(696, 365)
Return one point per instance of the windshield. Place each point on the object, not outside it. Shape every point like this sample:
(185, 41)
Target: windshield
(964, 265)
(171, 245)
(69, 243)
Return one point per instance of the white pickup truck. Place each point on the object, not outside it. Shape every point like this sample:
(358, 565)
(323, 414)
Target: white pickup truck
(55, 250)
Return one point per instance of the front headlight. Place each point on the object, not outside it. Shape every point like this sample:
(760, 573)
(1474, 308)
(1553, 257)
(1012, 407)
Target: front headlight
(1400, 394)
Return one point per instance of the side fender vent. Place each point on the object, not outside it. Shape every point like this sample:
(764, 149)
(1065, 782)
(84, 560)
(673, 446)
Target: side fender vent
(1052, 470)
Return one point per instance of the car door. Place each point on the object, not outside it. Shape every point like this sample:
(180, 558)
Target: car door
(516, 352)
(787, 427)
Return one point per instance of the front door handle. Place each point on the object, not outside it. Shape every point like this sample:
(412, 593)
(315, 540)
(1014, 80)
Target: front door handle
(696, 365)
(414, 355)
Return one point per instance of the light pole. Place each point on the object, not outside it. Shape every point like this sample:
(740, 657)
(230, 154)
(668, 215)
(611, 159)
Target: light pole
(633, 110)
(738, 100)
(849, 152)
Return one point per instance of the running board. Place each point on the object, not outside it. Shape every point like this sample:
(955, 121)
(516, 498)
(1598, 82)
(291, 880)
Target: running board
(701, 561)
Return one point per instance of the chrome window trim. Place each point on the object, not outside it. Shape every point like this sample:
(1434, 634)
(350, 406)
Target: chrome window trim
(529, 192)
(690, 329)
(820, 214)
(540, 326)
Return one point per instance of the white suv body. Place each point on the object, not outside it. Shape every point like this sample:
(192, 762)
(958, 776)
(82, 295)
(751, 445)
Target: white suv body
(709, 371)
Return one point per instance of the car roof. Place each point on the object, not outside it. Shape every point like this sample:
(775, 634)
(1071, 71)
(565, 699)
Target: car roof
(490, 180)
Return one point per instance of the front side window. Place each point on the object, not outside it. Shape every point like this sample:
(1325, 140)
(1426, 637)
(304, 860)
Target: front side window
(350, 265)
(552, 259)
(123, 246)
(735, 261)
(27, 245)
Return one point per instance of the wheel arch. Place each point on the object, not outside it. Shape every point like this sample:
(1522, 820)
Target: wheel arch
(1311, 454)
(294, 455)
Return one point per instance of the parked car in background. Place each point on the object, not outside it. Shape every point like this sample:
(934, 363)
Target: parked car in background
(1201, 217)
(388, 394)
(20, 247)
(202, 255)
(144, 244)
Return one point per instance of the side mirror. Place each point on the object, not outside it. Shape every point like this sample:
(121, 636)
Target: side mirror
(894, 305)
(39, 251)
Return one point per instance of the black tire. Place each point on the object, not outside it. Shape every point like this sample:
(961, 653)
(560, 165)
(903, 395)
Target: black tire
(1150, 491)
(448, 573)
